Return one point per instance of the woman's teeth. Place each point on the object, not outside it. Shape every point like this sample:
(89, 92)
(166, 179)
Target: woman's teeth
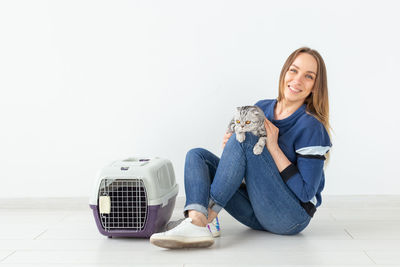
(294, 90)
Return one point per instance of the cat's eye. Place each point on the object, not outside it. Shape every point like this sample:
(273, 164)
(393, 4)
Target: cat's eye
(238, 121)
(248, 122)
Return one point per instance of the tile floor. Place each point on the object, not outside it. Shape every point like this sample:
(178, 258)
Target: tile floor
(346, 231)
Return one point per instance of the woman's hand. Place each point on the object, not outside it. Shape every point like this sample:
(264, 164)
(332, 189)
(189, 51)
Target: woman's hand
(226, 138)
(280, 159)
(272, 135)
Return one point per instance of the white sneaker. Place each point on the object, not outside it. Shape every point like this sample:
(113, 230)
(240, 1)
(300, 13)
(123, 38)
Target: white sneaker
(214, 228)
(185, 235)
(172, 224)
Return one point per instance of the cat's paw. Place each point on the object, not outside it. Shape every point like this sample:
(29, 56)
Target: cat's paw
(257, 150)
(240, 137)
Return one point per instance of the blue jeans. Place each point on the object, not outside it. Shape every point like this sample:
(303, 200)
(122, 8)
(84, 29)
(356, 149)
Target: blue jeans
(265, 202)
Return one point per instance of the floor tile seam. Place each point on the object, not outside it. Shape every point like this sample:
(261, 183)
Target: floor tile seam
(332, 217)
(3, 259)
(365, 252)
(347, 232)
(37, 237)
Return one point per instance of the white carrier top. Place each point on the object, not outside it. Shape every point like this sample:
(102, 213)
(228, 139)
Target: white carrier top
(156, 173)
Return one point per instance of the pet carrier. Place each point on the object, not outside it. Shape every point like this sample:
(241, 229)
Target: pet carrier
(134, 197)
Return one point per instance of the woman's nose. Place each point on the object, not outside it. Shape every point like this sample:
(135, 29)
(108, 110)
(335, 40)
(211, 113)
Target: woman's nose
(298, 79)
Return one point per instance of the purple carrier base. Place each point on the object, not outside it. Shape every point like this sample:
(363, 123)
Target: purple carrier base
(157, 218)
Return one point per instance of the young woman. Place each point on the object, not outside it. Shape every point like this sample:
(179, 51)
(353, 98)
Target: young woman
(283, 184)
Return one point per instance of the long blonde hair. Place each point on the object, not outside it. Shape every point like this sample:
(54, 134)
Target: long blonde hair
(317, 103)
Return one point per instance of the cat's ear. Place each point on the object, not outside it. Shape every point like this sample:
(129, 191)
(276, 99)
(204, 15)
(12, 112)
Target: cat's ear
(238, 108)
(256, 110)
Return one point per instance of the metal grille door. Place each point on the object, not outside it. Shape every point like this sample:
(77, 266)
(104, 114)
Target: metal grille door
(127, 202)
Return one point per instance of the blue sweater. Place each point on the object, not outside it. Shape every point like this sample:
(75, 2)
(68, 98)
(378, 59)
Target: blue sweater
(304, 141)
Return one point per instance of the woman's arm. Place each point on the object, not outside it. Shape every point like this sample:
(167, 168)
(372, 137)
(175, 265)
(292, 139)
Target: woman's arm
(279, 157)
(303, 178)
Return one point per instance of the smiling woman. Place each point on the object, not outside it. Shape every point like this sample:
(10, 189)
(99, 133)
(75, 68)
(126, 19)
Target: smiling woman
(303, 79)
(299, 80)
(283, 184)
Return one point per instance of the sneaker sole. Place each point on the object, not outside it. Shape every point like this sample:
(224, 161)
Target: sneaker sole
(178, 242)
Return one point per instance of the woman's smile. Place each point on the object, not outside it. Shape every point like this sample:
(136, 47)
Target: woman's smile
(294, 90)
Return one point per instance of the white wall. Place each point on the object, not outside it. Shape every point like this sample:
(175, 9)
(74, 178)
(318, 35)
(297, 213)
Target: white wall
(87, 82)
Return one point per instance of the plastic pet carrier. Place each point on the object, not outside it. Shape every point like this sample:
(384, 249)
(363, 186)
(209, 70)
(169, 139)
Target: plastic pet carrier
(134, 197)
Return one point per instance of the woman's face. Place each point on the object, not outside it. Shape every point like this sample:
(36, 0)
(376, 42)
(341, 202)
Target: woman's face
(300, 78)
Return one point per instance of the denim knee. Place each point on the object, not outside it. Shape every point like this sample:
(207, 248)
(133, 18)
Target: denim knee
(194, 152)
(250, 139)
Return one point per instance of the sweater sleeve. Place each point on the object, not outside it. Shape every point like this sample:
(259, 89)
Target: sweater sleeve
(305, 176)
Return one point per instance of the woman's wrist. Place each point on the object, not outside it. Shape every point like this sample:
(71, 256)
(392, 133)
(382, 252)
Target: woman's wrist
(273, 148)
(280, 159)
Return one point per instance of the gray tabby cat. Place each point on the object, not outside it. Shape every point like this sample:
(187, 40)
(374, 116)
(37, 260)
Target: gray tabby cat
(249, 119)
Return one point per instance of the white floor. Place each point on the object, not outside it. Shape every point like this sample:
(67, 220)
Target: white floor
(346, 231)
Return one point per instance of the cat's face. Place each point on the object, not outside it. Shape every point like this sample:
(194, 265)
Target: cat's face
(246, 119)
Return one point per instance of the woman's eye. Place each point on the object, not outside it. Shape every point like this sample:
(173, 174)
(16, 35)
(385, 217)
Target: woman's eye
(309, 77)
(293, 70)
(247, 122)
